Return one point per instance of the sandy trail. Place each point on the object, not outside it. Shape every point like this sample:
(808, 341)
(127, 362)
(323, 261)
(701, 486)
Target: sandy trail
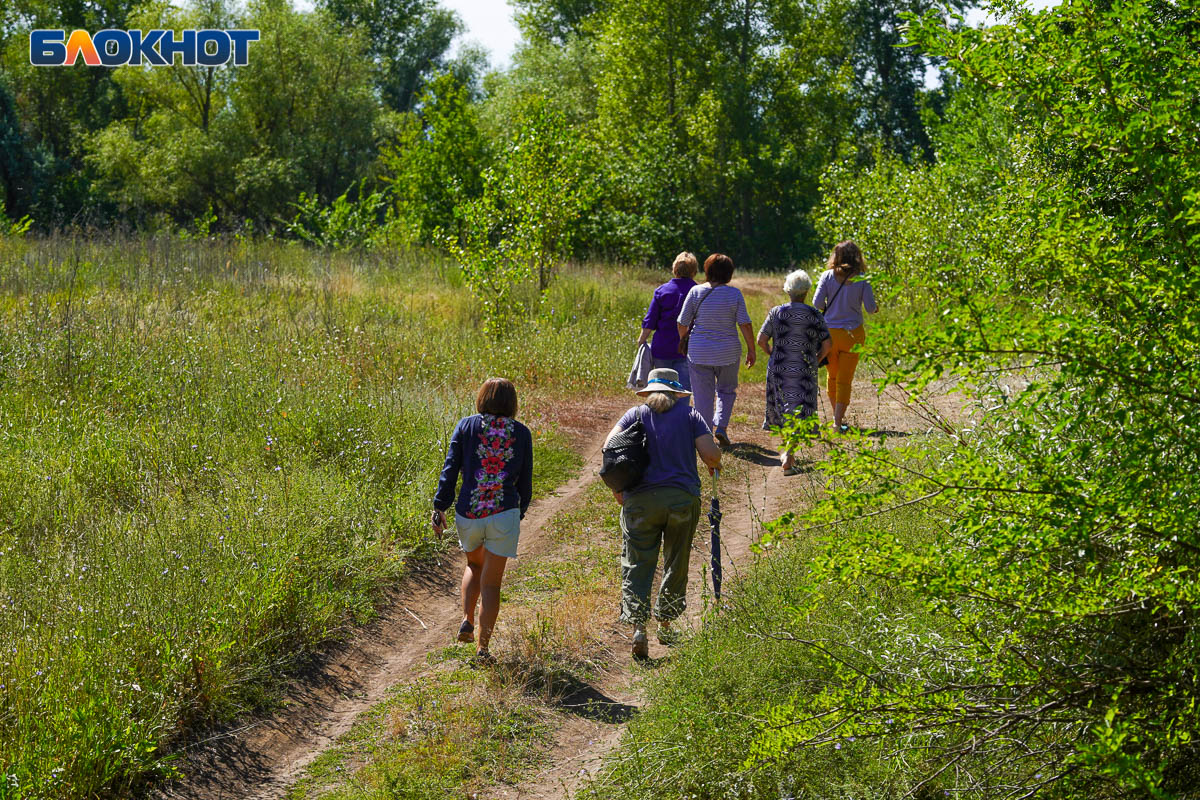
(262, 759)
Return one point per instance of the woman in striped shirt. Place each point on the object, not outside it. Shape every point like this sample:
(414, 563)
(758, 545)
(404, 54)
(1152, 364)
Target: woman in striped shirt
(715, 313)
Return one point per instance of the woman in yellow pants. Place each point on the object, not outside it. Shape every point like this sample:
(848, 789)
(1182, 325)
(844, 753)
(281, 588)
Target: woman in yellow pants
(843, 292)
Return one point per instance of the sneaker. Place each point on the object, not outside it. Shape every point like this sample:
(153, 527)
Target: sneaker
(722, 439)
(466, 632)
(641, 645)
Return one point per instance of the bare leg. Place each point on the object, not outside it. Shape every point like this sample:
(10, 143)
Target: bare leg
(470, 583)
(839, 411)
(492, 576)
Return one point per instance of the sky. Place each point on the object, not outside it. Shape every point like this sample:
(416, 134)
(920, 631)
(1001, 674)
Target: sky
(489, 23)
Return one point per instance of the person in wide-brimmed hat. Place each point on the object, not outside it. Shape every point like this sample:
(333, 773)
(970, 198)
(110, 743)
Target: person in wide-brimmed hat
(661, 512)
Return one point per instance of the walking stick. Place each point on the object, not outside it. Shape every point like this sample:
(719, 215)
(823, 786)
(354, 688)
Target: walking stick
(714, 522)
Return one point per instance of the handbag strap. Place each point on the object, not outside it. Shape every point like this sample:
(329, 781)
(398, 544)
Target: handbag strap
(841, 285)
(696, 316)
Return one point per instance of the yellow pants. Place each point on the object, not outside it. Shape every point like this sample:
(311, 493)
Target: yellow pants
(843, 362)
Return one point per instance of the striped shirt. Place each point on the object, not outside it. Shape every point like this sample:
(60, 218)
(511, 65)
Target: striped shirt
(848, 301)
(714, 341)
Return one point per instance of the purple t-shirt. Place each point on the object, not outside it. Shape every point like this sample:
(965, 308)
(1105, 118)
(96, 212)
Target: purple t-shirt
(660, 318)
(671, 437)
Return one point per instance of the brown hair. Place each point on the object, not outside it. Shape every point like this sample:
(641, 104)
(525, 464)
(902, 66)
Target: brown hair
(718, 268)
(685, 265)
(497, 396)
(846, 260)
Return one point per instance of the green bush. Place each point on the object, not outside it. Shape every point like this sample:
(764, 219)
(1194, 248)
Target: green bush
(720, 691)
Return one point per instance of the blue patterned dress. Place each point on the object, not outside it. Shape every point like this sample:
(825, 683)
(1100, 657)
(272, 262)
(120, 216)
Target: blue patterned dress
(796, 331)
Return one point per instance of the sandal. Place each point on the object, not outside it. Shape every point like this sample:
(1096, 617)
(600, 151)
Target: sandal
(466, 632)
(794, 469)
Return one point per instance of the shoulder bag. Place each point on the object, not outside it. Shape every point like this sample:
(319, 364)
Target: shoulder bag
(625, 457)
(683, 340)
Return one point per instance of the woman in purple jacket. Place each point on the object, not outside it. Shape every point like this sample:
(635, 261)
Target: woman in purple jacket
(660, 319)
(494, 454)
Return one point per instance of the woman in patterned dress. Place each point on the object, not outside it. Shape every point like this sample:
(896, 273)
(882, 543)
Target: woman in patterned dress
(494, 455)
(795, 339)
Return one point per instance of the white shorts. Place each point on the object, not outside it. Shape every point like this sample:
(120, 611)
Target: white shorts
(498, 533)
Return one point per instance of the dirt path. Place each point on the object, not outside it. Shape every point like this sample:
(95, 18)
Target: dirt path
(759, 492)
(262, 759)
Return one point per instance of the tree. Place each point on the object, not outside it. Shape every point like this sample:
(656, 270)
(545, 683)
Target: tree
(242, 141)
(519, 229)
(434, 160)
(408, 41)
(1061, 561)
(19, 166)
(559, 21)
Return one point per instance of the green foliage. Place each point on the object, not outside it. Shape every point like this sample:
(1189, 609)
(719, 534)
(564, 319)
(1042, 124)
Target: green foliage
(407, 40)
(1051, 279)
(716, 693)
(433, 160)
(214, 456)
(345, 223)
(519, 230)
(241, 139)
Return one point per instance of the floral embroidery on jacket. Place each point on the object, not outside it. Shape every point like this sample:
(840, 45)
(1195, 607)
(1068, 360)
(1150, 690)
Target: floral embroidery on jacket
(495, 449)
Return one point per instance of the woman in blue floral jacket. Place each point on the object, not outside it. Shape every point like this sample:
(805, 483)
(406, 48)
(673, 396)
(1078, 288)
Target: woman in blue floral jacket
(494, 454)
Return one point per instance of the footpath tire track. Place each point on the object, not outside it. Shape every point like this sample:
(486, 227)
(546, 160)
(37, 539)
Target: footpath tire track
(581, 745)
(262, 759)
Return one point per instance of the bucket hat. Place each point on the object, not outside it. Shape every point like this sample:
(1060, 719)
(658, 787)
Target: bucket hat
(663, 380)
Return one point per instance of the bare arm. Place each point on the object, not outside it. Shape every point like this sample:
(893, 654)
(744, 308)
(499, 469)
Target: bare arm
(683, 329)
(710, 454)
(615, 430)
(826, 346)
(764, 343)
(748, 335)
(644, 337)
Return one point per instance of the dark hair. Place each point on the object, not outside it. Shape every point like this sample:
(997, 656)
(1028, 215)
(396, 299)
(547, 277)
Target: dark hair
(718, 268)
(497, 396)
(846, 260)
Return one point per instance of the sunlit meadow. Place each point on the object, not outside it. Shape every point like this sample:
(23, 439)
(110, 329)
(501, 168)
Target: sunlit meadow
(214, 456)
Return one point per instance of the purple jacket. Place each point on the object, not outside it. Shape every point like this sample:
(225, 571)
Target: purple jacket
(664, 309)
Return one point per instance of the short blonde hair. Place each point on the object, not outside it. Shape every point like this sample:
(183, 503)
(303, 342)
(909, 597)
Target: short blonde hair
(685, 265)
(797, 284)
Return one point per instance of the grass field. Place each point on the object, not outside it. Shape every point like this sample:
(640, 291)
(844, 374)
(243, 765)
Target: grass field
(213, 455)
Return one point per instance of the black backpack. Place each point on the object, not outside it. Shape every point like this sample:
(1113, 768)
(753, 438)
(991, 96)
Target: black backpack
(625, 457)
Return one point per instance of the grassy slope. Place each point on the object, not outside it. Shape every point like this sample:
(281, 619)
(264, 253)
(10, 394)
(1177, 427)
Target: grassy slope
(695, 734)
(212, 457)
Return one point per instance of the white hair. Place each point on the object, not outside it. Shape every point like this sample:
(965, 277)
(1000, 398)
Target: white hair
(661, 401)
(797, 284)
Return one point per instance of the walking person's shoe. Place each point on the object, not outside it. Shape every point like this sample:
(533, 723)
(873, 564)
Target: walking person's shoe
(484, 659)
(722, 439)
(641, 644)
(667, 635)
(466, 632)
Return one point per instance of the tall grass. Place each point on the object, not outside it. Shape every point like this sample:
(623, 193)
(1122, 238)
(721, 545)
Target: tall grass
(714, 698)
(213, 455)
